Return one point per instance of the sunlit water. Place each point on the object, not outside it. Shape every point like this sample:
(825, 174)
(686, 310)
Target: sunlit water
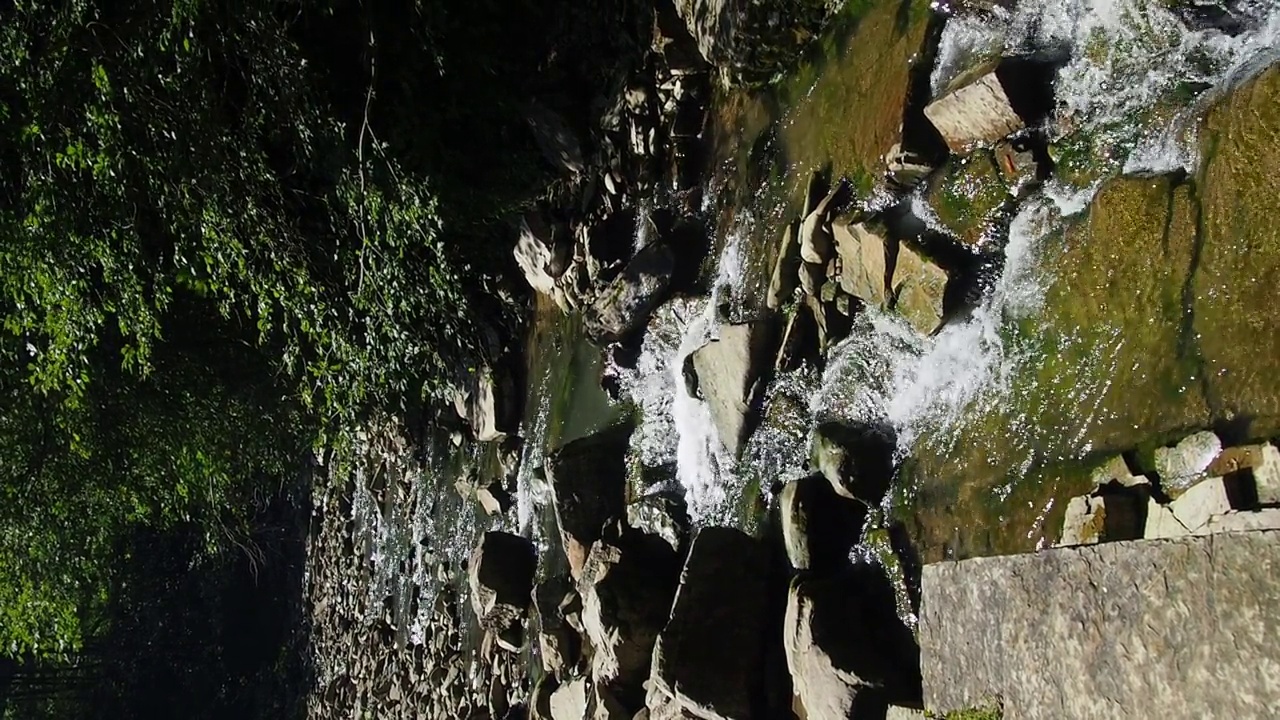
(1125, 62)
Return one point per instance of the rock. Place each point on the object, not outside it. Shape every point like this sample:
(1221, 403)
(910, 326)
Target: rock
(1093, 518)
(1161, 522)
(624, 305)
(542, 259)
(588, 483)
(814, 236)
(662, 515)
(626, 585)
(727, 369)
(500, 575)
(898, 712)
(557, 142)
(786, 271)
(1116, 471)
(904, 169)
(819, 527)
(1016, 162)
(919, 287)
(800, 343)
(842, 637)
(1261, 462)
(672, 40)
(863, 257)
(856, 459)
(1088, 632)
(569, 701)
(1201, 502)
(559, 643)
(751, 41)
(1243, 521)
(974, 113)
(1180, 466)
(710, 657)
(487, 403)
(493, 499)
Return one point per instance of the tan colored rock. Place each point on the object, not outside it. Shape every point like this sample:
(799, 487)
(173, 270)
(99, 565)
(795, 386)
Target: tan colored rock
(1204, 500)
(976, 113)
(863, 261)
(815, 235)
(786, 270)
(1242, 521)
(1084, 521)
(1117, 470)
(569, 701)
(1261, 461)
(1161, 523)
(727, 369)
(919, 287)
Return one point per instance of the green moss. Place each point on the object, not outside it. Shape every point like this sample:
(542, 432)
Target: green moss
(969, 196)
(991, 712)
(844, 108)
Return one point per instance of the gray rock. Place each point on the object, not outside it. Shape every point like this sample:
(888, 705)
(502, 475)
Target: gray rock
(1161, 523)
(559, 644)
(486, 401)
(626, 586)
(1184, 464)
(974, 113)
(624, 305)
(855, 459)
(542, 257)
(1242, 521)
(710, 658)
(842, 637)
(500, 576)
(559, 144)
(1103, 518)
(727, 370)
(1168, 629)
(905, 169)
(588, 483)
(818, 526)
(919, 287)
(662, 515)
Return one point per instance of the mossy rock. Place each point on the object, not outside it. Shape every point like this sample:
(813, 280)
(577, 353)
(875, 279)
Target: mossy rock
(845, 106)
(1158, 321)
(970, 196)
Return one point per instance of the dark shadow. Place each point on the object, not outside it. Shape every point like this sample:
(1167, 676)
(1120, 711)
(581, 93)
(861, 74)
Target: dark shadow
(919, 136)
(909, 560)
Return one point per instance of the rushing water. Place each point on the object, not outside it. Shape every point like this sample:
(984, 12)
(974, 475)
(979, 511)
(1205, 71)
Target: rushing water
(1130, 79)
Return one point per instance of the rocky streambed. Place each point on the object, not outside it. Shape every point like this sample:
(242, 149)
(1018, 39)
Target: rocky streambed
(806, 319)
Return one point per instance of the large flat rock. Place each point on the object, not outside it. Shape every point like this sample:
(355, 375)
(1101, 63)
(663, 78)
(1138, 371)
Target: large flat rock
(1168, 629)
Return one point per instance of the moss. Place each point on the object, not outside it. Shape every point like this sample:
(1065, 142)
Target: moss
(989, 712)
(1236, 287)
(969, 196)
(845, 108)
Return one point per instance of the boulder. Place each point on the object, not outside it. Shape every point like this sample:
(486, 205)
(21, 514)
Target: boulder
(751, 41)
(976, 112)
(919, 287)
(863, 255)
(709, 660)
(559, 144)
(558, 642)
(816, 244)
(905, 169)
(1179, 629)
(1184, 464)
(588, 480)
(493, 499)
(486, 402)
(500, 575)
(624, 305)
(662, 515)
(1260, 462)
(819, 527)
(570, 700)
(671, 39)
(856, 459)
(786, 270)
(627, 584)
(842, 637)
(542, 257)
(1161, 522)
(1103, 518)
(1242, 521)
(726, 370)
(1200, 502)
